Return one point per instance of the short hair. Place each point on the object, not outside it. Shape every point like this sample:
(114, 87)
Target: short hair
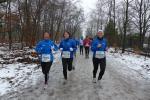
(68, 33)
(45, 33)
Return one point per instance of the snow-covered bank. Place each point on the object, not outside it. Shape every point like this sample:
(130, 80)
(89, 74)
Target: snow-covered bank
(133, 61)
(17, 76)
(18, 72)
(14, 77)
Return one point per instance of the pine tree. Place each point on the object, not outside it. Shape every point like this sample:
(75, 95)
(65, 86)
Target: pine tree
(111, 34)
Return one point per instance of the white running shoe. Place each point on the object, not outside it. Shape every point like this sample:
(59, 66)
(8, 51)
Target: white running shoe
(45, 86)
(94, 80)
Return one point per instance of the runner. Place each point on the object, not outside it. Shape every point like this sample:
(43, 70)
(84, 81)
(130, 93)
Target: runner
(99, 46)
(81, 45)
(67, 47)
(44, 48)
(87, 43)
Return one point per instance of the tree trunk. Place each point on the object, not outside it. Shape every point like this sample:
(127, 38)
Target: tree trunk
(125, 27)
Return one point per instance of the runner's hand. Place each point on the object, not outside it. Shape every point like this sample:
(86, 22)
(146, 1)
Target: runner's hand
(99, 46)
(71, 49)
(61, 49)
(52, 48)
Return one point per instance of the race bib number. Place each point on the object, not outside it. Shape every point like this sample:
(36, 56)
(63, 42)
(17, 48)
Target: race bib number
(65, 54)
(46, 58)
(100, 54)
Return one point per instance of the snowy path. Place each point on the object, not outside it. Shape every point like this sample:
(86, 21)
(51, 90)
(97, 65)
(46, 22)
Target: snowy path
(118, 83)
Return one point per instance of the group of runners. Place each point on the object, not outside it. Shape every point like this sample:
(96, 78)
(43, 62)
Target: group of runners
(68, 47)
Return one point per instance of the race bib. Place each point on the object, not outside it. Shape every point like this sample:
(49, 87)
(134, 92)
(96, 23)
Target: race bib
(81, 42)
(100, 54)
(87, 45)
(46, 58)
(65, 54)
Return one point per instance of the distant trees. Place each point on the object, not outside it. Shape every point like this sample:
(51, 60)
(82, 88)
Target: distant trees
(121, 20)
(141, 18)
(97, 18)
(111, 33)
(37, 16)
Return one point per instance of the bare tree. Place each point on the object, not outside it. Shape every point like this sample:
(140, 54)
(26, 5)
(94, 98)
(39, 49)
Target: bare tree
(125, 25)
(141, 18)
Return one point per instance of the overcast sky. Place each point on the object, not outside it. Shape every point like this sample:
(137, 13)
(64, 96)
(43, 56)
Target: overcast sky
(88, 5)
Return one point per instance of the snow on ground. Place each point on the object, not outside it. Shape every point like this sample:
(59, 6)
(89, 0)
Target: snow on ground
(132, 61)
(118, 83)
(2, 49)
(16, 76)
(125, 79)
